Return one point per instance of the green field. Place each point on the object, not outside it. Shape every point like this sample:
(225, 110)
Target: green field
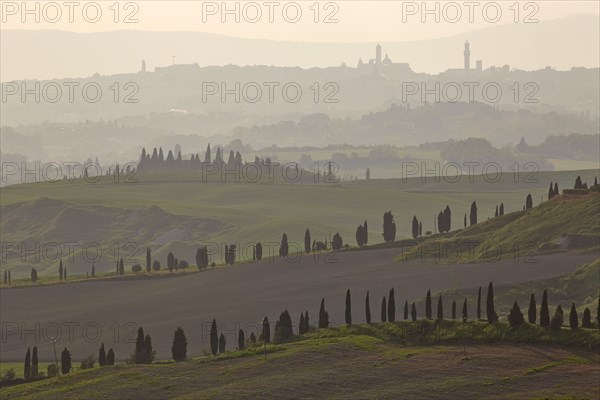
(243, 213)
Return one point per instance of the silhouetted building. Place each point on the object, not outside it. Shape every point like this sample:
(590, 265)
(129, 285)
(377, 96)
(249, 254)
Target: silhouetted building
(467, 54)
(377, 66)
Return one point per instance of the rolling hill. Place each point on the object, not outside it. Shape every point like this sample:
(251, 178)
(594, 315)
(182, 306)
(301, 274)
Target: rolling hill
(367, 362)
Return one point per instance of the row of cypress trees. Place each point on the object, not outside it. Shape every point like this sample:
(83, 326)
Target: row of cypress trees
(31, 365)
(144, 354)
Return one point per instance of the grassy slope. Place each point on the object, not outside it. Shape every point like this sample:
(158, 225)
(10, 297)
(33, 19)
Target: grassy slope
(516, 234)
(366, 361)
(580, 287)
(262, 212)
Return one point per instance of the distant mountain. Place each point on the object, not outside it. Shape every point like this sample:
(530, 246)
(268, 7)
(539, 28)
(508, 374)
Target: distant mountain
(49, 54)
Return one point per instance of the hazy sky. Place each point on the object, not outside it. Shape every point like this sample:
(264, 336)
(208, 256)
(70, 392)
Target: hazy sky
(357, 21)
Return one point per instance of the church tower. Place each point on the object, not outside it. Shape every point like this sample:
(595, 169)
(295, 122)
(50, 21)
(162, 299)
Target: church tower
(467, 54)
(143, 65)
(378, 54)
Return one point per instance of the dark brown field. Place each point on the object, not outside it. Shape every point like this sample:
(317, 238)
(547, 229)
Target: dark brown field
(83, 315)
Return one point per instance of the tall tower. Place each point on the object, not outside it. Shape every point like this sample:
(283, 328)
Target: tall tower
(467, 54)
(378, 54)
(143, 65)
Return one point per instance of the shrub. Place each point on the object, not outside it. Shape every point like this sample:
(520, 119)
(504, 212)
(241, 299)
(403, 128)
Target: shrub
(110, 357)
(9, 375)
(179, 348)
(88, 362)
(515, 318)
(557, 319)
(586, 321)
(136, 268)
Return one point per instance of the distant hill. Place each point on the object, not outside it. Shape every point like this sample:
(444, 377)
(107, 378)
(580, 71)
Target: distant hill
(122, 51)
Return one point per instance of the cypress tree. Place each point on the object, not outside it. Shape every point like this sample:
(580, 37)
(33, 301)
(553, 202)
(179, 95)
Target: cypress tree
(139, 356)
(170, 261)
(383, 310)
(365, 233)
(515, 318)
(102, 356)
(266, 330)
(110, 357)
(556, 189)
(65, 361)
(214, 339)
(465, 222)
(348, 308)
(5, 277)
(544, 312)
(60, 270)
(34, 363)
(420, 229)
(179, 347)
(532, 312)
(148, 351)
(573, 318)
(447, 219)
(389, 227)
(307, 241)
(222, 344)
(367, 309)
(148, 260)
(391, 317)
(528, 202)
(550, 192)
(490, 309)
(440, 309)
(306, 322)
(473, 215)
(241, 340)
(501, 209)
(258, 251)
(65, 275)
(453, 309)
(121, 268)
(428, 313)
(415, 227)
(283, 248)
(323, 316)
(586, 321)
(496, 213)
(359, 236)
(479, 304)
(413, 312)
(406, 310)
(27, 368)
(93, 270)
(465, 315)
(9, 277)
(301, 324)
